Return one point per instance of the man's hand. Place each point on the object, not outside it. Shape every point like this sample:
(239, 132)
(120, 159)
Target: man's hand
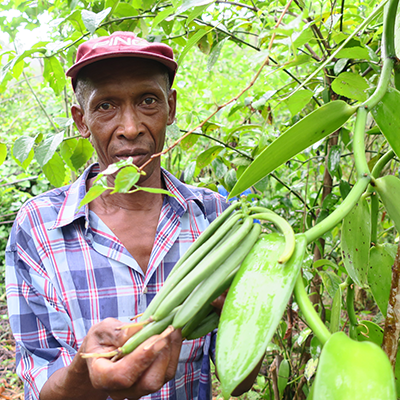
(141, 372)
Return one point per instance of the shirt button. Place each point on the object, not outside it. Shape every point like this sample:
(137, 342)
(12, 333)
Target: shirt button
(145, 290)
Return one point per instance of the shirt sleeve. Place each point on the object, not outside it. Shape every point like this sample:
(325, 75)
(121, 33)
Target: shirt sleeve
(40, 324)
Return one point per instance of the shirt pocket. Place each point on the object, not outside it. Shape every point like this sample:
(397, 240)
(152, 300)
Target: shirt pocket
(192, 350)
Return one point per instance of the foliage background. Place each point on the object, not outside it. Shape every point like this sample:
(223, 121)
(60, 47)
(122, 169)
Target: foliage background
(219, 45)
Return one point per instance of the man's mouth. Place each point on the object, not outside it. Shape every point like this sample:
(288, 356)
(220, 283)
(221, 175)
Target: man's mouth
(137, 157)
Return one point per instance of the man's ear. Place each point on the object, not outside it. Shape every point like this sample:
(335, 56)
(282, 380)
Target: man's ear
(172, 106)
(79, 119)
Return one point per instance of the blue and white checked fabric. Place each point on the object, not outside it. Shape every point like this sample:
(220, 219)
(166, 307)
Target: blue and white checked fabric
(66, 270)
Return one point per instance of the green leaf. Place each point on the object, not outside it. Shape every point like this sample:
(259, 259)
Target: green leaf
(219, 167)
(386, 114)
(351, 85)
(369, 331)
(67, 148)
(54, 170)
(94, 192)
(82, 153)
(336, 311)
(125, 179)
(283, 375)
(191, 42)
(334, 161)
(3, 152)
(355, 52)
(22, 148)
(125, 10)
(230, 180)
(344, 188)
(189, 171)
(92, 20)
(356, 241)
(162, 15)
(207, 156)
(298, 101)
(388, 188)
(54, 74)
(189, 141)
(192, 3)
(46, 149)
(331, 281)
(381, 259)
(309, 130)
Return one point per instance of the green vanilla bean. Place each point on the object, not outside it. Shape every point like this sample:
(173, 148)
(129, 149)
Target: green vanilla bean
(350, 303)
(311, 316)
(333, 219)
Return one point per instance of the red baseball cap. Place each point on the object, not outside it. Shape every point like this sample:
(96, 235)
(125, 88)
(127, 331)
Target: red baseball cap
(122, 44)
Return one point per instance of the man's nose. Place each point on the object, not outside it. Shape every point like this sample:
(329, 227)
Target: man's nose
(130, 125)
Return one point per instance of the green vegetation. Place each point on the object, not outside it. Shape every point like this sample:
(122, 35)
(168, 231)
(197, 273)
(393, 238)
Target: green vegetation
(316, 79)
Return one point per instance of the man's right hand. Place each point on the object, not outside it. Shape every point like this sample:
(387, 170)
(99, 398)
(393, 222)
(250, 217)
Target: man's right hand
(141, 372)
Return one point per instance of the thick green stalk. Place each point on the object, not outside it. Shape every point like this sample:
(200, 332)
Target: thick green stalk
(380, 164)
(359, 143)
(311, 316)
(389, 55)
(333, 219)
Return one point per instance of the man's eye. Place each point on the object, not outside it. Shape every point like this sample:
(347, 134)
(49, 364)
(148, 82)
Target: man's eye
(149, 100)
(105, 106)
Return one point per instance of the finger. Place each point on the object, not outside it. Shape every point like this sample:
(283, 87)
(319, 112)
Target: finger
(176, 344)
(123, 373)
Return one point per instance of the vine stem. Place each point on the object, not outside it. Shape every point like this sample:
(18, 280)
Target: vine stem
(359, 143)
(333, 219)
(220, 107)
(311, 316)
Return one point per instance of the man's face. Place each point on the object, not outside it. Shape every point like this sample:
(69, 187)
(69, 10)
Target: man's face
(127, 109)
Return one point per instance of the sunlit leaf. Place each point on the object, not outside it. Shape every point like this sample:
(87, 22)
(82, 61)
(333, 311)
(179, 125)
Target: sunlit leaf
(22, 147)
(3, 152)
(207, 156)
(94, 192)
(54, 170)
(93, 20)
(125, 179)
(46, 149)
(54, 74)
(351, 85)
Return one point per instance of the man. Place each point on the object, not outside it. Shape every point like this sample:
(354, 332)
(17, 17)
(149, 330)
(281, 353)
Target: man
(75, 275)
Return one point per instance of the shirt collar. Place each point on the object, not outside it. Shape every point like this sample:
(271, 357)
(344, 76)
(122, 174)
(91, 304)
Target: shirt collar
(70, 211)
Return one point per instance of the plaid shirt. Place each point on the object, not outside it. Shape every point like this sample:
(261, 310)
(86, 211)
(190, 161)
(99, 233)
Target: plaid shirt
(66, 270)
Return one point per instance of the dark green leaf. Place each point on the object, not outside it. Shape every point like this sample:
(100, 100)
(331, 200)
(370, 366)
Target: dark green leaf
(283, 375)
(219, 167)
(67, 148)
(344, 188)
(82, 153)
(335, 311)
